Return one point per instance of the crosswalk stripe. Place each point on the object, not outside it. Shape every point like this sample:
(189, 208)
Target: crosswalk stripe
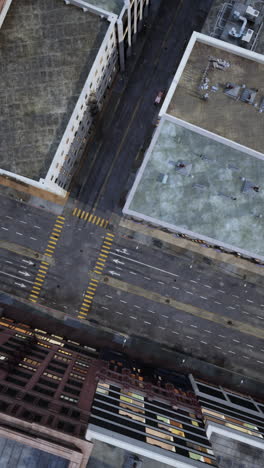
(105, 251)
(61, 217)
(82, 215)
(48, 255)
(106, 243)
(103, 255)
(102, 223)
(86, 216)
(109, 234)
(98, 220)
(61, 223)
(98, 272)
(74, 211)
(90, 217)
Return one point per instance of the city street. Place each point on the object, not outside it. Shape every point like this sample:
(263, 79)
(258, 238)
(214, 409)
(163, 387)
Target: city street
(180, 300)
(129, 118)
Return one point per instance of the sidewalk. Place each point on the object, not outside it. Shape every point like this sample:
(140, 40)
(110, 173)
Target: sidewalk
(150, 352)
(236, 263)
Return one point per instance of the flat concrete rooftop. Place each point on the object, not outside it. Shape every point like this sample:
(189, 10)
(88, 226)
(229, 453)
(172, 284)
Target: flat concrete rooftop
(210, 198)
(230, 118)
(46, 52)
(113, 6)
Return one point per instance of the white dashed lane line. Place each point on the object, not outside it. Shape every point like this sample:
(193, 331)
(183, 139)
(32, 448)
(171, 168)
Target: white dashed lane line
(23, 222)
(5, 229)
(147, 323)
(110, 297)
(249, 345)
(202, 297)
(151, 311)
(245, 357)
(189, 337)
(207, 286)
(137, 307)
(147, 278)
(131, 316)
(124, 302)
(193, 281)
(161, 282)
(37, 227)
(19, 234)
(216, 302)
(204, 342)
(261, 362)
(132, 273)
(119, 313)
(176, 333)
(194, 326)
(189, 292)
(221, 291)
(165, 316)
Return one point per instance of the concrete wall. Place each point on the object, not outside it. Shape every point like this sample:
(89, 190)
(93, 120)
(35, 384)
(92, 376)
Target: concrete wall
(232, 454)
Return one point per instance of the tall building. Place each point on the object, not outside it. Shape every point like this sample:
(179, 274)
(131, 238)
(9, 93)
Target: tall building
(58, 398)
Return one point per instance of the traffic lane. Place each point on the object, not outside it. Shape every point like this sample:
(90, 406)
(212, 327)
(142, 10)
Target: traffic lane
(185, 290)
(26, 231)
(198, 337)
(75, 257)
(16, 211)
(153, 263)
(17, 273)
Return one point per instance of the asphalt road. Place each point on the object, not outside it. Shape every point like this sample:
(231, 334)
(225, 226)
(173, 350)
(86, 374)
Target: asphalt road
(128, 121)
(145, 290)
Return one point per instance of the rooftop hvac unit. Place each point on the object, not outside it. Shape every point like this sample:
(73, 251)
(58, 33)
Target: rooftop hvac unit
(251, 13)
(246, 38)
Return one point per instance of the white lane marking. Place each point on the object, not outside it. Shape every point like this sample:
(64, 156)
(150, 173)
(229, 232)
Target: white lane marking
(124, 302)
(19, 234)
(194, 326)
(221, 291)
(21, 285)
(204, 342)
(192, 281)
(118, 268)
(33, 238)
(218, 347)
(9, 217)
(189, 292)
(250, 346)
(162, 328)
(119, 313)
(151, 311)
(148, 323)
(147, 278)
(245, 312)
(179, 321)
(175, 287)
(216, 302)
(144, 264)
(37, 227)
(248, 300)
(131, 272)
(221, 336)
(207, 331)
(202, 297)
(7, 261)
(134, 318)
(231, 352)
(23, 222)
(161, 282)
(176, 333)
(106, 308)
(166, 316)
(261, 318)
(245, 357)
(110, 297)
(207, 286)
(261, 305)
(137, 307)
(5, 229)
(234, 295)
(230, 307)
(16, 277)
(261, 362)
(189, 337)
(236, 341)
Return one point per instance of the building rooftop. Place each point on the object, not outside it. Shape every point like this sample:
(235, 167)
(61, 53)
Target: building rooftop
(220, 20)
(113, 6)
(45, 60)
(200, 184)
(229, 117)
(13, 454)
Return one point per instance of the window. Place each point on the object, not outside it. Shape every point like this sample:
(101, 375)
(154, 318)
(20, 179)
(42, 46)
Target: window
(15, 381)
(81, 363)
(133, 416)
(56, 369)
(103, 388)
(196, 456)
(160, 444)
(74, 383)
(52, 376)
(48, 383)
(67, 398)
(62, 358)
(62, 351)
(73, 391)
(76, 376)
(43, 390)
(27, 367)
(31, 361)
